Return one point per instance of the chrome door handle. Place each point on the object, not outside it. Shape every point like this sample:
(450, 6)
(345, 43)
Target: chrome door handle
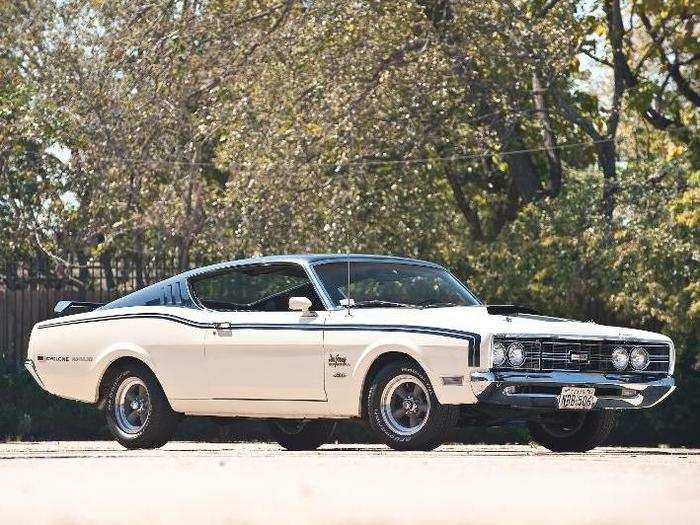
(223, 326)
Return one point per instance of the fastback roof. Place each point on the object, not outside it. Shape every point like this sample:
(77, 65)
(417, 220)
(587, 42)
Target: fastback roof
(151, 294)
(310, 258)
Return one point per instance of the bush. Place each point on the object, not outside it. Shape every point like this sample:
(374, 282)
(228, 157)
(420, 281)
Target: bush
(31, 414)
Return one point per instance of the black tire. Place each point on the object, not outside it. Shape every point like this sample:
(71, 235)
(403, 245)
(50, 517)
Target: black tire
(302, 435)
(159, 421)
(573, 432)
(435, 423)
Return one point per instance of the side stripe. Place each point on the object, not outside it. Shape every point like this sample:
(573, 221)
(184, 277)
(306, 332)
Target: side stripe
(473, 338)
(165, 317)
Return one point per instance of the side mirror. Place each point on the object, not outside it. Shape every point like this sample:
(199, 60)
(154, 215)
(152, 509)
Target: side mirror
(300, 304)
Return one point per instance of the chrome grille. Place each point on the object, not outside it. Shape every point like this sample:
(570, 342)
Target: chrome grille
(570, 355)
(574, 356)
(532, 355)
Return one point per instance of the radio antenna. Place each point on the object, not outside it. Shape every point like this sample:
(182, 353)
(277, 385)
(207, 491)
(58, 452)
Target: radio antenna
(349, 238)
(348, 299)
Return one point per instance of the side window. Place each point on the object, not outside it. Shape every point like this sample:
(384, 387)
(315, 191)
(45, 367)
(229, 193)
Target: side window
(258, 288)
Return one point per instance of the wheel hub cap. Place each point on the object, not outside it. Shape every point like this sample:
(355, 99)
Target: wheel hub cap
(132, 405)
(405, 405)
(410, 406)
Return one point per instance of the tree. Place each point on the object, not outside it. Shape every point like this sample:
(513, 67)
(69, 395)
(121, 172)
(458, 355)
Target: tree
(351, 85)
(133, 87)
(633, 56)
(31, 178)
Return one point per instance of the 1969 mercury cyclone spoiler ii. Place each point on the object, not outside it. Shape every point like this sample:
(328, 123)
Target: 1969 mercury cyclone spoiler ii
(306, 340)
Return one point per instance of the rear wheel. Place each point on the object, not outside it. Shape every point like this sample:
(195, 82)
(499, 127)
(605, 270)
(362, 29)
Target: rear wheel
(574, 431)
(404, 412)
(301, 434)
(137, 411)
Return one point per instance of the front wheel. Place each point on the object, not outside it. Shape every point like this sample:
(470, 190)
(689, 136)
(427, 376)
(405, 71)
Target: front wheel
(572, 432)
(403, 411)
(301, 434)
(137, 411)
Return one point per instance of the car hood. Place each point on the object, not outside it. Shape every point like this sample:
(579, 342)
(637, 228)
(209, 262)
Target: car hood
(526, 324)
(477, 319)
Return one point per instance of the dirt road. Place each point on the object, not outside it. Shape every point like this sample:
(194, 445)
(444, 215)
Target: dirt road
(199, 483)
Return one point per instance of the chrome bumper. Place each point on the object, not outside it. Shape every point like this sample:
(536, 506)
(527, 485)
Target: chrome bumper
(31, 367)
(541, 389)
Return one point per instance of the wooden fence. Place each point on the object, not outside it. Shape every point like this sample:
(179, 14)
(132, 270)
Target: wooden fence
(29, 290)
(20, 310)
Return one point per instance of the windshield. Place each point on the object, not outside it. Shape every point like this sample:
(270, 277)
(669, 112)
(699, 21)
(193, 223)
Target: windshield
(393, 284)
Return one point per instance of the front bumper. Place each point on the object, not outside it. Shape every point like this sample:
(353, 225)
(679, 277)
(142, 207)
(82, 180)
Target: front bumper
(541, 389)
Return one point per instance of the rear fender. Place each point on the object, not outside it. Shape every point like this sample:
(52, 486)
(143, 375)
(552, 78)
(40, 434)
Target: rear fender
(112, 353)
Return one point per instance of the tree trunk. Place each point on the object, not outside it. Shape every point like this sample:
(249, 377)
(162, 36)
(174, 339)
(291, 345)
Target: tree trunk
(464, 206)
(549, 139)
(106, 263)
(138, 258)
(505, 212)
(520, 164)
(83, 273)
(183, 256)
(606, 161)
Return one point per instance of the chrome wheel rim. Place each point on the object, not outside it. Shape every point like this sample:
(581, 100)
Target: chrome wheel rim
(132, 405)
(405, 405)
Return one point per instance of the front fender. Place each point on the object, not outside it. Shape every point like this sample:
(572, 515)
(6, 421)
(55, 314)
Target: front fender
(373, 352)
(439, 359)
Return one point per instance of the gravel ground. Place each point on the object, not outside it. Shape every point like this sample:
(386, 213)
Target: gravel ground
(201, 483)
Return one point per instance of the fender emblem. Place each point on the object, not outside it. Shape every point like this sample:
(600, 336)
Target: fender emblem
(337, 360)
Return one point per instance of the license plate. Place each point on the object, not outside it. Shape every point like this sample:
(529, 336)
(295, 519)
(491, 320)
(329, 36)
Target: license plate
(576, 398)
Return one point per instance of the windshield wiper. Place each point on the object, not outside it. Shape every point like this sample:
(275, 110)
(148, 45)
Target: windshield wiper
(439, 305)
(377, 302)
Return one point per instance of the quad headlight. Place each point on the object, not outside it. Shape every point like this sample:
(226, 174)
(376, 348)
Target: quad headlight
(508, 353)
(516, 354)
(498, 354)
(639, 358)
(620, 357)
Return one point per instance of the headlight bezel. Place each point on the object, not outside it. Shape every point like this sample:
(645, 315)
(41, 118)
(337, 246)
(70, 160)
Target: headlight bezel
(510, 353)
(636, 350)
(503, 354)
(620, 351)
(513, 347)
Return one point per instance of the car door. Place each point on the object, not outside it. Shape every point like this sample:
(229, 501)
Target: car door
(258, 348)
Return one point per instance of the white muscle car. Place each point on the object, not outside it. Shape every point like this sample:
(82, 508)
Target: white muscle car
(306, 340)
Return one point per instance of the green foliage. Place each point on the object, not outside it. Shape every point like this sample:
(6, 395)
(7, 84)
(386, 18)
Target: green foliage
(564, 257)
(29, 413)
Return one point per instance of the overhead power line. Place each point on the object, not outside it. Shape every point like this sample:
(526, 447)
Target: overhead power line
(481, 154)
(361, 162)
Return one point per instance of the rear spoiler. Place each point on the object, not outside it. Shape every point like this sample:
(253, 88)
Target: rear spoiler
(510, 309)
(75, 307)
